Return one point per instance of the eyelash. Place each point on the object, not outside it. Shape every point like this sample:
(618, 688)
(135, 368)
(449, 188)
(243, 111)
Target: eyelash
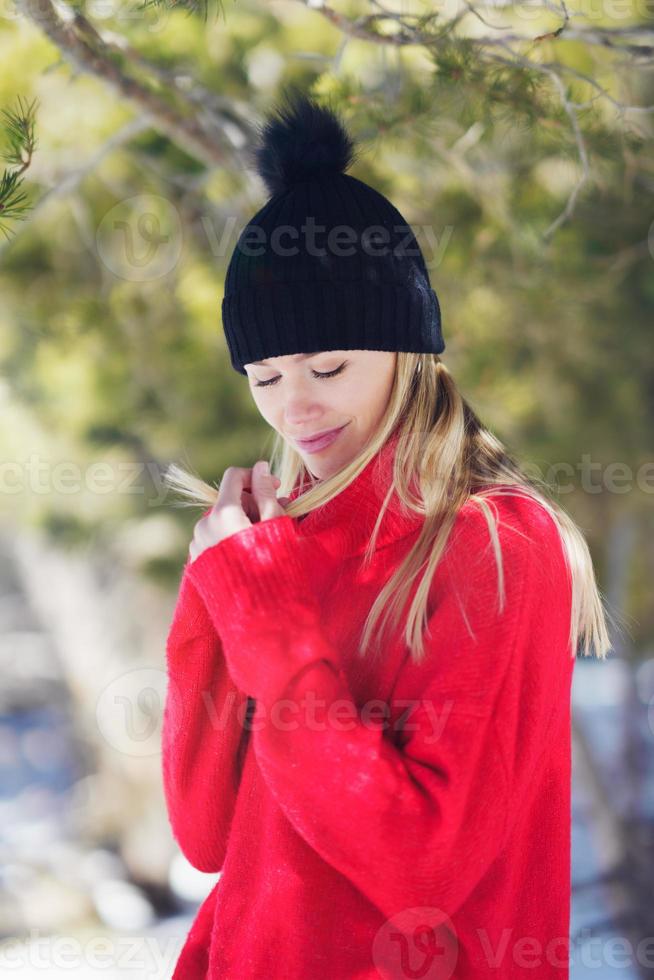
(316, 374)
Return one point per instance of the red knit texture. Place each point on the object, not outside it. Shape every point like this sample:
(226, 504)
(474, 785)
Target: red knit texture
(374, 818)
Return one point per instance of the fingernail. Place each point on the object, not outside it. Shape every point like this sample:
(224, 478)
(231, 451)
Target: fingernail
(265, 468)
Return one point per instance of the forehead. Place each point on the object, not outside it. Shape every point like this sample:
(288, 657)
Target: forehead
(293, 357)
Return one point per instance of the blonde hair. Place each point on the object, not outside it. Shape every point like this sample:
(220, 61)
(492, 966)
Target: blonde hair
(438, 434)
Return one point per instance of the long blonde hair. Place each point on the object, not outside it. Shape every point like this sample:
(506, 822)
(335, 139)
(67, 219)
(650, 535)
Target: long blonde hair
(443, 442)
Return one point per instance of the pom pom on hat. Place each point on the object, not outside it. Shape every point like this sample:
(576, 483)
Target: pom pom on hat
(301, 141)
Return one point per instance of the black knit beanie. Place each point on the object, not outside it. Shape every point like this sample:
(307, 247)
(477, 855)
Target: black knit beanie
(328, 263)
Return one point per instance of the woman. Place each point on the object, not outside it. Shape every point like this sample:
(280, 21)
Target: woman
(367, 724)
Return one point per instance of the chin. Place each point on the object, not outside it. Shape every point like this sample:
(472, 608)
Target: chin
(324, 468)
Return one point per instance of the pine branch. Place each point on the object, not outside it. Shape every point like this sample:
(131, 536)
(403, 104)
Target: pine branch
(218, 114)
(411, 29)
(82, 46)
(190, 6)
(474, 58)
(19, 128)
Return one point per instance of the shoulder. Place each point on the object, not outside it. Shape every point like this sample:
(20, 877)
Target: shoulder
(523, 524)
(503, 541)
(498, 596)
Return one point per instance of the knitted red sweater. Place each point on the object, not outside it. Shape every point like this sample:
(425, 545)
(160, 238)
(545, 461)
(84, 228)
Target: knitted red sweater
(373, 818)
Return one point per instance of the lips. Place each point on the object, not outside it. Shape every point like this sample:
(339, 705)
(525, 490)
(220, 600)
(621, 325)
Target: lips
(319, 442)
(318, 435)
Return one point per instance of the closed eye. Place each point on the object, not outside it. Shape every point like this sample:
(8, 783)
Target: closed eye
(316, 374)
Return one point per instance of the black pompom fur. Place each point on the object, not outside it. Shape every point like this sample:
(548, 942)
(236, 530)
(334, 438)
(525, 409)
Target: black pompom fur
(301, 140)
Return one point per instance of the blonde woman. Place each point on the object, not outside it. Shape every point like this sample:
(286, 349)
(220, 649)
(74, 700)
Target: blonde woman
(367, 723)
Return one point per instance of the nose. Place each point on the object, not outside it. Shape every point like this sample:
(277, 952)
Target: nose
(301, 408)
(301, 421)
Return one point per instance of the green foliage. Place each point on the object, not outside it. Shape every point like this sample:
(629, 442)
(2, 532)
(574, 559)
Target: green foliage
(19, 132)
(549, 339)
(189, 7)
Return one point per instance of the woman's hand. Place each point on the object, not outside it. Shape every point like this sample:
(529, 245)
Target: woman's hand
(246, 496)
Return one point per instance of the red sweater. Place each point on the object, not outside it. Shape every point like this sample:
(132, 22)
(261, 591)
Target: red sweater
(373, 818)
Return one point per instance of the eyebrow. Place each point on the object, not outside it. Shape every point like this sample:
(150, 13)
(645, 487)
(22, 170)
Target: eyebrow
(297, 357)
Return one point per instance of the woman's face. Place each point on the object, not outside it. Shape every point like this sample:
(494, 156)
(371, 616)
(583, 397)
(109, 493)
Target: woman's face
(302, 395)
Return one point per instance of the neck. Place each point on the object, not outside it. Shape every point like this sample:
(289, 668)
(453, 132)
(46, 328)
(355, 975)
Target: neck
(344, 524)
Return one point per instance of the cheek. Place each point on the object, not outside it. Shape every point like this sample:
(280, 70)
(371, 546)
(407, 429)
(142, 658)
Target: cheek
(370, 392)
(265, 405)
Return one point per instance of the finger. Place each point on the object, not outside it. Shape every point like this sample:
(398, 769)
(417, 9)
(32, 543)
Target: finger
(249, 506)
(232, 502)
(264, 491)
(249, 503)
(229, 511)
(235, 480)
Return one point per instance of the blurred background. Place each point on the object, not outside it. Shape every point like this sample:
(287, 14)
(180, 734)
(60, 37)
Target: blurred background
(516, 138)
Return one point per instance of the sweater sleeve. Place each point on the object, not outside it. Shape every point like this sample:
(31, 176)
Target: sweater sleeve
(413, 816)
(202, 734)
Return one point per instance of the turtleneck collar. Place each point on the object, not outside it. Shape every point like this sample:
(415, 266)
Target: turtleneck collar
(343, 526)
